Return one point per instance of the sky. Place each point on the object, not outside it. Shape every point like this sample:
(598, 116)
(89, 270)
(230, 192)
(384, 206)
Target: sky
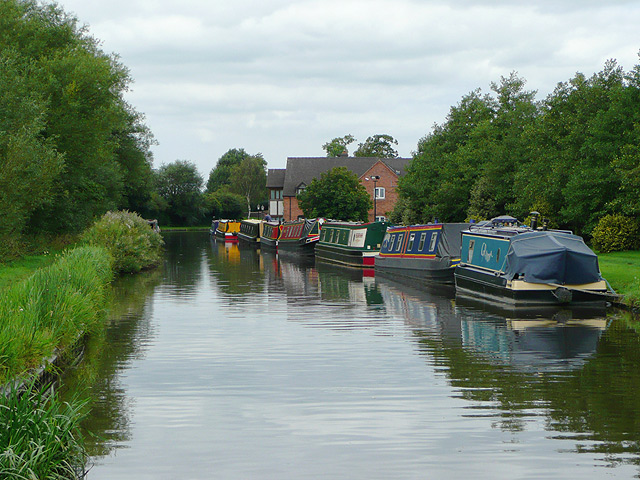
(283, 77)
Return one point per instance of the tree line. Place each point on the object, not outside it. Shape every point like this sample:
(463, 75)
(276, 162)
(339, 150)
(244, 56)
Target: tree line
(574, 156)
(72, 148)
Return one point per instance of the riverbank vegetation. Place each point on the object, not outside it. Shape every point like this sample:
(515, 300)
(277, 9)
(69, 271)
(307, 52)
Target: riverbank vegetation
(622, 271)
(40, 438)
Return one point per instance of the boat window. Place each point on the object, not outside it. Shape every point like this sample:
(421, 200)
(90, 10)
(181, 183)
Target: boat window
(385, 242)
(393, 239)
(399, 244)
(423, 237)
(498, 256)
(434, 238)
(472, 243)
(412, 237)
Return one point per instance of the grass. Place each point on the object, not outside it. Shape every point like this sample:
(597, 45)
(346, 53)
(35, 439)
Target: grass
(622, 271)
(40, 437)
(17, 270)
(49, 310)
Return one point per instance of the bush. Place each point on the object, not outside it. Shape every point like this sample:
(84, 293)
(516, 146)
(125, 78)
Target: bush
(133, 244)
(616, 233)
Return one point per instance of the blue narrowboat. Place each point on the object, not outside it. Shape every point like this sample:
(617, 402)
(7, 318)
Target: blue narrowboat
(506, 261)
(427, 253)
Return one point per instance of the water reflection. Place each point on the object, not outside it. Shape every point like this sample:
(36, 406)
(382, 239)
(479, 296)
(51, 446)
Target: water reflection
(270, 367)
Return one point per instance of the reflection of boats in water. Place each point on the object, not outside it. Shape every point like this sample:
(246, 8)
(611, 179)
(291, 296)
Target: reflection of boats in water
(343, 283)
(541, 339)
(556, 339)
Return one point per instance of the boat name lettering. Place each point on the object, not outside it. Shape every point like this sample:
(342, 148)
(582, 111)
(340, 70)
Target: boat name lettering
(485, 254)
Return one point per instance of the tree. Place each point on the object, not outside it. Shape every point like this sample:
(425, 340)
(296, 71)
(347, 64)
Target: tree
(222, 204)
(380, 146)
(220, 175)
(249, 179)
(179, 184)
(29, 163)
(338, 146)
(78, 105)
(337, 194)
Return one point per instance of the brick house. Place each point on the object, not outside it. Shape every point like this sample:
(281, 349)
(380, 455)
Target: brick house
(379, 173)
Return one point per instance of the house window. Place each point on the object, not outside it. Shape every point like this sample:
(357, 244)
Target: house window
(380, 193)
(301, 188)
(276, 194)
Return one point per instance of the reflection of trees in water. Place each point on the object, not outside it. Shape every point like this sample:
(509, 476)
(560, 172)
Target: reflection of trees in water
(562, 364)
(126, 332)
(234, 269)
(183, 260)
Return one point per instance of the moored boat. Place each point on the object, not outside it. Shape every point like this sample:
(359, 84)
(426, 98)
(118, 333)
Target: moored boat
(506, 261)
(270, 235)
(426, 253)
(250, 231)
(300, 236)
(350, 243)
(228, 230)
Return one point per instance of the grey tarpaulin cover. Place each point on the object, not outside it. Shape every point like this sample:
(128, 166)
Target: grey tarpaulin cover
(551, 257)
(450, 240)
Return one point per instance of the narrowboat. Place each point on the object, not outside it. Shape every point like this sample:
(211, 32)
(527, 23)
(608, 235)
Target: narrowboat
(250, 232)
(228, 230)
(426, 253)
(351, 244)
(506, 261)
(270, 235)
(300, 236)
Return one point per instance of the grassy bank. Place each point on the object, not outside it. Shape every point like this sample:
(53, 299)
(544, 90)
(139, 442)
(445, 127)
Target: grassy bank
(622, 271)
(49, 310)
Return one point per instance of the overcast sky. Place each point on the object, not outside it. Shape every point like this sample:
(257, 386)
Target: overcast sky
(282, 77)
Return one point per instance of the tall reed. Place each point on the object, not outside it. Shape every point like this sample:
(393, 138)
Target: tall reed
(39, 437)
(52, 308)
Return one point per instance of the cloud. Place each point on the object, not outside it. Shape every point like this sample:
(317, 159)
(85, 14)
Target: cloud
(283, 77)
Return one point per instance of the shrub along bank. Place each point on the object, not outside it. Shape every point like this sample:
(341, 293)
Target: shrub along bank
(46, 314)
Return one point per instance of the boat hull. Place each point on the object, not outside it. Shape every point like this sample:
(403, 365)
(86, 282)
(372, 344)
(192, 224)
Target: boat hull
(426, 271)
(476, 283)
(346, 256)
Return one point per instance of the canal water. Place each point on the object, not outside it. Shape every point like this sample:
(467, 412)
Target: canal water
(231, 363)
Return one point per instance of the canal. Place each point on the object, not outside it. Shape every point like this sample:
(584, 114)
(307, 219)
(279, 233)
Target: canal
(231, 363)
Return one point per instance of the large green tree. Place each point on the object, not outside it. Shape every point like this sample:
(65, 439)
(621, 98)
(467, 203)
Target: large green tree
(380, 146)
(179, 184)
(338, 146)
(220, 175)
(337, 194)
(76, 101)
(249, 179)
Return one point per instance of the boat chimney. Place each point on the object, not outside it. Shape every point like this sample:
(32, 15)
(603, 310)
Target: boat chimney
(545, 224)
(534, 220)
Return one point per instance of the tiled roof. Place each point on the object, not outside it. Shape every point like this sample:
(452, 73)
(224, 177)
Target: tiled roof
(275, 177)
(301, 170)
